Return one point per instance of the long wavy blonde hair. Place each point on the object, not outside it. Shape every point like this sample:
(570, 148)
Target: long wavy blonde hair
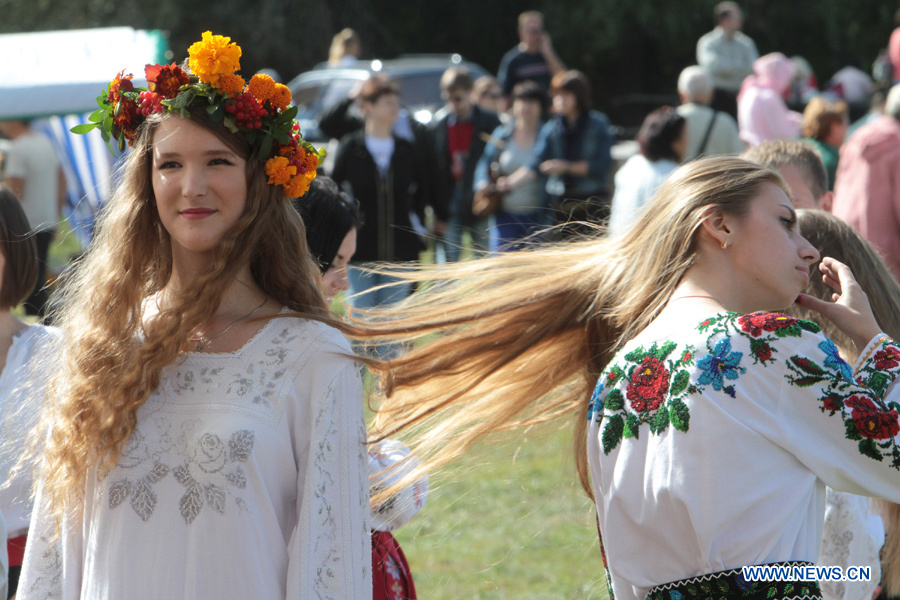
(111, 359)
(832, 237)
(521, 338)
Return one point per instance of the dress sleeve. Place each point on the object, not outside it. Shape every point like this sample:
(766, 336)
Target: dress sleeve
(840, 422)
(53, 563)
(330, 554)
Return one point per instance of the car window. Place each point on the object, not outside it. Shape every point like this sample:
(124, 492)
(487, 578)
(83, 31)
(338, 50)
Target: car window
(337, 91)
(421, 89)
(306, 97)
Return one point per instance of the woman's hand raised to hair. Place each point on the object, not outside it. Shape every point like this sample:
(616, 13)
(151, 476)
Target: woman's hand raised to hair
(850, 310)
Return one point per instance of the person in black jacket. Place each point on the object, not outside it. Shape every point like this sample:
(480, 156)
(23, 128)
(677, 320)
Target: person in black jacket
(383, 173)
(458, 135)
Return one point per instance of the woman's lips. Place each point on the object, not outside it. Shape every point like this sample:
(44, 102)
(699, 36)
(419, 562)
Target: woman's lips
(197, 213)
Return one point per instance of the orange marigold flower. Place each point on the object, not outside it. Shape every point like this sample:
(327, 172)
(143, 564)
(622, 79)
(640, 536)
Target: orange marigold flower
(279, 170)
(296, 187)
(230, 84)
(261, 86)
(310, 163)
(281, 97)
(165, 80)
(120, 84)
(128, 120)
(213, 57)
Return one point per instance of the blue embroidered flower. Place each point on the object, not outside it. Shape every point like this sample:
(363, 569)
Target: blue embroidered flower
(722, 364)
(675, 595)
(833, 359)
(596, 404)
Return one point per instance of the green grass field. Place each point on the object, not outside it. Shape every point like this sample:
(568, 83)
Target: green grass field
(508, 522)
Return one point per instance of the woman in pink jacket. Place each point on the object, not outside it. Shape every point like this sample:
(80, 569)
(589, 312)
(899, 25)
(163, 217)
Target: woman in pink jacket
(762, 112)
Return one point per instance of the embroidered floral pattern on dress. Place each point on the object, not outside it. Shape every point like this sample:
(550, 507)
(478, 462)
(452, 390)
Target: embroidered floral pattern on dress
(658, 380)
(210, 468)
(867, 419)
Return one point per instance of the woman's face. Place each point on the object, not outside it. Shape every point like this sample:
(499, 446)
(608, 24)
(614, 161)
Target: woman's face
(526, 111)
(334, 280)
(565, 104)
(199, 183)
(770, 259)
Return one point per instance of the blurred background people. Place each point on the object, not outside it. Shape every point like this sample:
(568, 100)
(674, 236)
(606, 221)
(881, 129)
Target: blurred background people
(825, 124)
(573, 151)
(382, 172)
(728, 55)
(458, 135)
(762, 111)
(523, 210)
(662, 140)
(800, 166)
(710, 132)
(532, 59)
(487, 95)
(867, 190)
(346, 48)
(33, 173)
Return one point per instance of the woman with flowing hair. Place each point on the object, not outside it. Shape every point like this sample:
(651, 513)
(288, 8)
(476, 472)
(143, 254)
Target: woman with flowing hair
(203, 434)
(712, 429)
(849, 538)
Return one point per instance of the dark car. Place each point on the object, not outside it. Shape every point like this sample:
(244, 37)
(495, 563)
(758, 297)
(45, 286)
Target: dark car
(417, 75)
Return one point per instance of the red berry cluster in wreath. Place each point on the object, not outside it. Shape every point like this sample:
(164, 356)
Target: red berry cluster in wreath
(246, 111)
(149, 103)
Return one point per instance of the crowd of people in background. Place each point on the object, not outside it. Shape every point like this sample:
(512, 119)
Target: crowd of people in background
(511, 164)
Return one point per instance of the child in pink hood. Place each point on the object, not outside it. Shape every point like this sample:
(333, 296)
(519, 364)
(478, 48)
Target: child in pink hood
(762, 112)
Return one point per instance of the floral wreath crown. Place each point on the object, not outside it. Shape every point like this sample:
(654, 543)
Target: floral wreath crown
(260, 110)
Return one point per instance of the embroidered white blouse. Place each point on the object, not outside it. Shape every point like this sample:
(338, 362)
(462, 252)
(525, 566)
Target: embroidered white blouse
(246, 477)
(18, 416)
(711, 449)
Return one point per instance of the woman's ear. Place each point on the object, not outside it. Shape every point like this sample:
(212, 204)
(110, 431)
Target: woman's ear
(717, 227)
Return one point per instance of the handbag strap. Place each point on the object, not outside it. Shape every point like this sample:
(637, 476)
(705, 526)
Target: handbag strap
(706, 135)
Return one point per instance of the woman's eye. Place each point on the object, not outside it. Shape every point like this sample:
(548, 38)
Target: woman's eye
(169, 164)
(220, 161)
(789, 222)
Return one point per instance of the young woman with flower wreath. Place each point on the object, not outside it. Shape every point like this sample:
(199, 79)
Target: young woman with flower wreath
(204, 432)
(706, 431)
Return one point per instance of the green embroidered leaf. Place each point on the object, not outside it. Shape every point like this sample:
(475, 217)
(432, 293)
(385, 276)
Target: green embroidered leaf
(893, 406)
(851, 432)
(770, 593)
(806, 381)
(632, 426)
(680, 383)
(660, 420)
(792, 330)
(679, 415)
(879, 382)
(788, 589)
(867, 447)
(762, 351)
(612, 433)
(807, 366)
(809, 326)
(614, 400)
(636, 355)
(665, 351)
(614, 376)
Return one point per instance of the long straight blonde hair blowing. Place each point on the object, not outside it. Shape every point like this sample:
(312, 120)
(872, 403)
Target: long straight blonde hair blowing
(111, 358)
(832, 237)
(521, 338)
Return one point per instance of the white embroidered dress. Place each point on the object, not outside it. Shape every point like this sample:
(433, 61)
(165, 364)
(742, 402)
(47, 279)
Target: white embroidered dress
(246, 477)
(710, 449)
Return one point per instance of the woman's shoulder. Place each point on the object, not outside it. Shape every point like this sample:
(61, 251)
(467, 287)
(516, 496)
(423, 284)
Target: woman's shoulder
(37, 336)
(303, 336)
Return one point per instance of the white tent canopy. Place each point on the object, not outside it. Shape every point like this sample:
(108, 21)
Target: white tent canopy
(63, 72)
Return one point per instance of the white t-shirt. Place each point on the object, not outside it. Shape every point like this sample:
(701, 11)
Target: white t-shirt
(31, 156)
(636, 182)
(381, 149)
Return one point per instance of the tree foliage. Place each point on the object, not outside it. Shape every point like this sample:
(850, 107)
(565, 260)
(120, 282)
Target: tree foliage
(635, 47)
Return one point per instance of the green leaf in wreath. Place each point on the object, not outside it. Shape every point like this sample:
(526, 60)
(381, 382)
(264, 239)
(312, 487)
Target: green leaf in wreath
(84, 128)
(612, 433)
(867, 447)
